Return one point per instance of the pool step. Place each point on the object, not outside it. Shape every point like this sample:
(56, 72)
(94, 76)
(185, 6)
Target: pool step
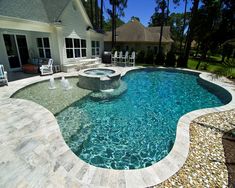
(77, 140)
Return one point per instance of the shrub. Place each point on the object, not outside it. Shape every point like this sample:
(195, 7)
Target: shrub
(160, 58)
(140, 56)
(170, 59)
(180, 61)
(149, 57)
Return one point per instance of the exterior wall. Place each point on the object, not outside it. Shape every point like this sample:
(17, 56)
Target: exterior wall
(73, 24)
(31, 38)
(76, 28)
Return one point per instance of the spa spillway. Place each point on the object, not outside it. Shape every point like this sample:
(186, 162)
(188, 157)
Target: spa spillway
(97, 79)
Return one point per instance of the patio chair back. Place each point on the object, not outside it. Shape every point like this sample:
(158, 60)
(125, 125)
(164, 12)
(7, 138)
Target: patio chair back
(133, 55)
(120, 54)
(1, 72)
(3, 76)
(47, 69)
(50, 62)
(114, 57)
(115, 54)
(126, 54)
(132, 59)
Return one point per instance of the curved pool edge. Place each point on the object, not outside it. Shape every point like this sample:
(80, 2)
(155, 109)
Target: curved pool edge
(81, 173)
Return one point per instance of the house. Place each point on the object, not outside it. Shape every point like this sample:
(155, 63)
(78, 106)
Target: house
(57, 29)
(134, 36)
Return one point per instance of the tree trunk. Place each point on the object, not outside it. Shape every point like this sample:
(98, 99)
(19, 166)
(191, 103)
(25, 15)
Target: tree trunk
(161, 31)
(205, 50)
(113, 24)
(190, 32)
(92, 16)
(168, 11)
(182, 32)
(96, 14)
(101, 14)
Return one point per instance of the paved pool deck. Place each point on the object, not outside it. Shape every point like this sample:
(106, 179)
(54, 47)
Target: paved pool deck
(33, 152)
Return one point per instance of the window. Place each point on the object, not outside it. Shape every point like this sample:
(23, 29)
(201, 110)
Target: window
(95, 48)
(44, 47)
(75, 48)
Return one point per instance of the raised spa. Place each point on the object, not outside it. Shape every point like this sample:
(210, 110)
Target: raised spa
(97, 79)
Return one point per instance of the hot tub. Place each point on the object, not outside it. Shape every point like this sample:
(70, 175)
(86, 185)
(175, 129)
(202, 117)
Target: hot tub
(97, 79)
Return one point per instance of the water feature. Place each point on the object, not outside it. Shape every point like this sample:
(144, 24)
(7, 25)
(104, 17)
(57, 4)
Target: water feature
(65, 84)
(52, 83)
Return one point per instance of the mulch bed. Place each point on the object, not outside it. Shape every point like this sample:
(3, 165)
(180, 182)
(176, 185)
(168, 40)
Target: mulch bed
(229, 151)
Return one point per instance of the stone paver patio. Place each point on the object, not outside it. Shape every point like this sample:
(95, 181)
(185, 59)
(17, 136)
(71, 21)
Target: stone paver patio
(34, 154)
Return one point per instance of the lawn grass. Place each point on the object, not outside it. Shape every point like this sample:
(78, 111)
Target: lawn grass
(210, 66)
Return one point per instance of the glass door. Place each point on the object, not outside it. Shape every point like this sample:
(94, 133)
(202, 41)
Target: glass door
(17, 50)
(23, 49)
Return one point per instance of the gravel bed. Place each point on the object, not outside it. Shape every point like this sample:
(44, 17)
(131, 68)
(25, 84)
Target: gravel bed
(206, 164)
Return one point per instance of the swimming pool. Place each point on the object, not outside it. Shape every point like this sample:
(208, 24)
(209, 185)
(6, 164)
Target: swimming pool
(136, 129)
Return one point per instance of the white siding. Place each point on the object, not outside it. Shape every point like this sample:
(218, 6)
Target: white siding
(74, 24)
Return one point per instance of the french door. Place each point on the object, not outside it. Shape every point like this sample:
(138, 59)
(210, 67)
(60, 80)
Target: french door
(17, 50)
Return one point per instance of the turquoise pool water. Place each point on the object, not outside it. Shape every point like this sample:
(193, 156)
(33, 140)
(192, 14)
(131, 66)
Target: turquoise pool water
(137, 128)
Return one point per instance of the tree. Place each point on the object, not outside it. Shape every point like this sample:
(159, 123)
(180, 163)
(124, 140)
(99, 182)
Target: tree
(176, 22)
(161, 6)
(207, 20)
(192, 26)
(101, 14)
(155, 19)
(108, 24)
(118, 7)
(184, 25)
(167, 11)
(95, 13)
(135, 18)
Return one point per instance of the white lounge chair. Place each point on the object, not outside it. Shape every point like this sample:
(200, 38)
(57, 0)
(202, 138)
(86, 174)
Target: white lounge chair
(47, 69)
(119, 58)
(3, 76)
(132, 59)
(125, 58)
(114, 58)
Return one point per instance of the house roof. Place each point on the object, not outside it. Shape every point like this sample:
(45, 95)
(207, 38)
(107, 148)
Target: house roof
(37, 10)
(134, 31)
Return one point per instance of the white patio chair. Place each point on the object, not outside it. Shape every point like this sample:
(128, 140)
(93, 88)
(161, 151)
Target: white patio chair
(132, 59)
(3, 76)
(47, 69)
(114, 58)
(119, 58)
(125, 58)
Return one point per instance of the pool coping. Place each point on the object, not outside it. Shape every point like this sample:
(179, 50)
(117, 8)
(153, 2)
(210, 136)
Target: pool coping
(86, 174)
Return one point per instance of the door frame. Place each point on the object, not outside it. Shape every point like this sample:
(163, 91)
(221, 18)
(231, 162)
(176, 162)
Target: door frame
(17, 48)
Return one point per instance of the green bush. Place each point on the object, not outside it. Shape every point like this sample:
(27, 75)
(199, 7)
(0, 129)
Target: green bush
(180, 61)
(170, 59)
(149, 57)
(160, 58)
(140, 57)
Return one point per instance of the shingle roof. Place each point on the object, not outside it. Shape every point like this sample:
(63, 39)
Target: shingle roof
(37, 10)
(134, 31)
(166, 32)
